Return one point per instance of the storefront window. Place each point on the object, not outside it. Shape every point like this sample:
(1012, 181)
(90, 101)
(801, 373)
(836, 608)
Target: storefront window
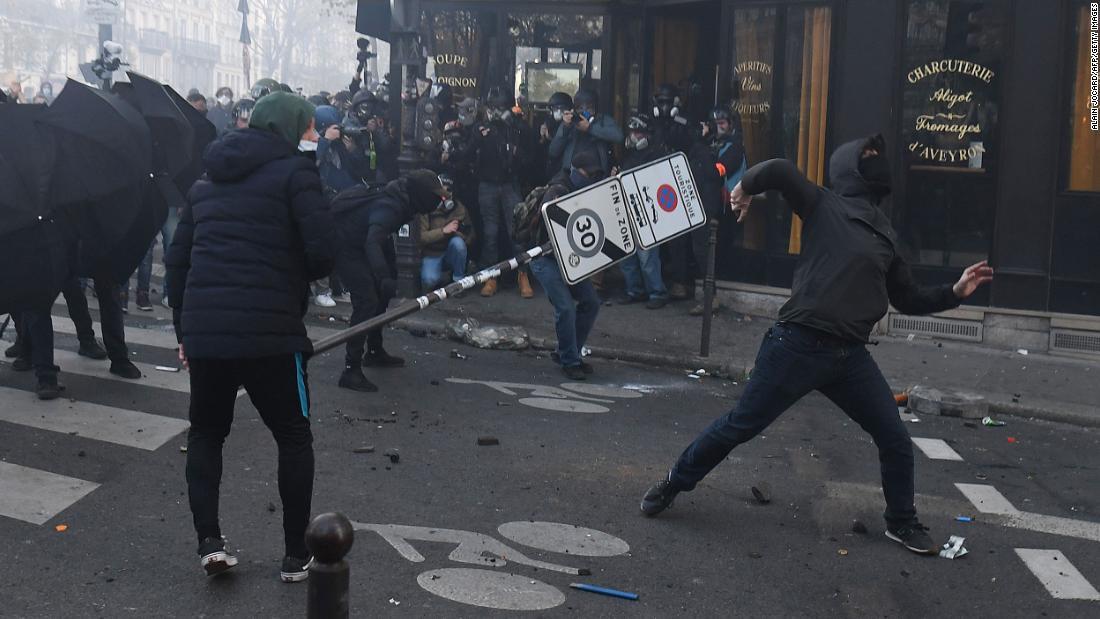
(555, 52)
(459, 45)
(780, 81)
(1084, 148)
(951, 85)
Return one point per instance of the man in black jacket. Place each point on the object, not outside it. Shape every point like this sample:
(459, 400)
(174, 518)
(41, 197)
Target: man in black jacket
(848, 273)
(368, 217)
(255, 232)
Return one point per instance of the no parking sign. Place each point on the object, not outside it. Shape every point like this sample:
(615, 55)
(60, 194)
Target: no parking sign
(590, 229)
(663, 200)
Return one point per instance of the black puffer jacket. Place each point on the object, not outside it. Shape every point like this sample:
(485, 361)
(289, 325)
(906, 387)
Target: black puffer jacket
(367, 217)
(255, 232)
(850, 268)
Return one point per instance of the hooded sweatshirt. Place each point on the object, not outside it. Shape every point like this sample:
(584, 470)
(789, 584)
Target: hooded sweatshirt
(850, 268)
(253, 235)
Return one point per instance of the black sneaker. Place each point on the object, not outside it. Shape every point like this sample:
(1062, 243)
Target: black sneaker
(587, 369)
(658, 498)
(143, 303)
(295, 569)
(656, 303)
(48, 389)
(21, 364)
(215, 559)
(353, 379)
(913, 536)
(628, 299)
(574, 372)
(125, 369)
(14, 351)
(92, 350)
(382, 359)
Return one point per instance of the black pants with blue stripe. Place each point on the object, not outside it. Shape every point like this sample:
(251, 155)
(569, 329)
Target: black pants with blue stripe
(279, 389)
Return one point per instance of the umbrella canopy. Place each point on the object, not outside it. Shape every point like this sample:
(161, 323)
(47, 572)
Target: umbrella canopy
(36, 263)
(205, 133)
(24, 167)
(172, 135)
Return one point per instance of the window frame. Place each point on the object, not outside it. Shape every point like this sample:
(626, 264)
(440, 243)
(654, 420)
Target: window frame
(1067, 76)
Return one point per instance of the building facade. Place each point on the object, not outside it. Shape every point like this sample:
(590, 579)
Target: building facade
(984, 106)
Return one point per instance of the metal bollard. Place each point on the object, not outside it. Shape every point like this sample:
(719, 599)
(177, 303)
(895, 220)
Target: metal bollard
(329, 537)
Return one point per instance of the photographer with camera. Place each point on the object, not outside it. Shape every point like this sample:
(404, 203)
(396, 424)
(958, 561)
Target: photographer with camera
(584, 129)
(503, 150)
(445, 237)
(642, 271)
(353, 151)
(558, 105)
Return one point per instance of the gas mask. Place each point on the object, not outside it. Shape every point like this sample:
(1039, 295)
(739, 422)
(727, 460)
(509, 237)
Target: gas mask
(224, 100)
(558, 113)
(446, 205)
(363, 114)
(499, 114)
(637, 141)
(666, 108)
(722, 129)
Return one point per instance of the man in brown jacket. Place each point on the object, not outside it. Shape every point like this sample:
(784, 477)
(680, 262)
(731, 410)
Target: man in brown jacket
(445, 236)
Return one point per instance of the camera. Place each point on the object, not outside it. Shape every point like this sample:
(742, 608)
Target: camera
(364, 52)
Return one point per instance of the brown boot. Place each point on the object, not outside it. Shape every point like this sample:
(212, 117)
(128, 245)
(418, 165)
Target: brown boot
(525, 289)
(489, 289)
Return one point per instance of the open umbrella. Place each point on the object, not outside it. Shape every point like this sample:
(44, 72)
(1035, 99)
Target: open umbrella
(172, 135)
(205, 133)
(24, 167)
(35, 265)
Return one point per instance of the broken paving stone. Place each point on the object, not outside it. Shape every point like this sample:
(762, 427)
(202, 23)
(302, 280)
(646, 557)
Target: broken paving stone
(457, 355)
(842, 552)
(368, 449)
(487, 440)
(498, 338)
(457, 328)
(763, 492)
(859, 527)
(393, 454)
(930, 401)
(755, 555)
(81, 454)
(271, 507)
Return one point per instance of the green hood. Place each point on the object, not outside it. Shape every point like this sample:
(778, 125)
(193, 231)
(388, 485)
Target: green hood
(283, 114)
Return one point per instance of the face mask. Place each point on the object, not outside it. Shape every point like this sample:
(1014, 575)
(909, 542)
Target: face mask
(224, 100)
(307, 146)
(558, 113)
(447, 205)
(722, 130)
(876, 171)
(495, 115)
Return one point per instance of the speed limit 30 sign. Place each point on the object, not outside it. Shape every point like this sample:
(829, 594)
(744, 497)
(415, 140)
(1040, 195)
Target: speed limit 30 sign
(590, 229)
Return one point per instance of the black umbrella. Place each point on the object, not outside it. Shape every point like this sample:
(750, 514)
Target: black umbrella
(172, 135)
(24, 167)
(35, 265)
(205, 133)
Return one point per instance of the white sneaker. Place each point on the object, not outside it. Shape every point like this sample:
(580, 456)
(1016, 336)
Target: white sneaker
(341, 298)
(324, 300)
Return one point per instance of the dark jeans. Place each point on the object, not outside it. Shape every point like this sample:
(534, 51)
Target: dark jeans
(367, 301)
(110, 315)
(793, 361)
(35, 332)
(279, 389)
(575, 309)
(497, 202)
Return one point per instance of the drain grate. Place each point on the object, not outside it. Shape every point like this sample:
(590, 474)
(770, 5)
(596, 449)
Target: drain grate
(943, 328)
(1064, 340)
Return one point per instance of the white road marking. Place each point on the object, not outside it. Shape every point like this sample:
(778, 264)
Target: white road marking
(565, 406)
(1057, 574)
(602, 391)
(489, 589)
(937, 449)
(988, 500)
(36, 496)
(73, 363)
(160, 338)
(564, 538)
(94, 421)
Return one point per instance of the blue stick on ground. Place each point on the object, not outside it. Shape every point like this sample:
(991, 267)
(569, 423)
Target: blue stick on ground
(604, 591)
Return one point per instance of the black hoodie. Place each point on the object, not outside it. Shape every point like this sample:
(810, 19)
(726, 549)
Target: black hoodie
(253, 235)
(368, 216)
(850, 268)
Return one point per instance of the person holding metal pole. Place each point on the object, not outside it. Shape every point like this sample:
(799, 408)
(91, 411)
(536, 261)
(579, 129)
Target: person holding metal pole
(849, 272)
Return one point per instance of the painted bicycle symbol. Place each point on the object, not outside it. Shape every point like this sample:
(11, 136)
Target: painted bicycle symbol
(489, 588)
(569, 397)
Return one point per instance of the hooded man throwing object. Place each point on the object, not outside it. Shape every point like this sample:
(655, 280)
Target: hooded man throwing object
(849, 271)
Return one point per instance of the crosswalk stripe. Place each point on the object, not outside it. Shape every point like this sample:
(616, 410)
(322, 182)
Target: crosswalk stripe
(987, 499)
(36, 496)
(72, 363)
(94, 421)
(937, 449)
(1057, 574)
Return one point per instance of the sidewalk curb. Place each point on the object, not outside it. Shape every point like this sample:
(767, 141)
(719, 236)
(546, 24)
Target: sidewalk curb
(738, 369)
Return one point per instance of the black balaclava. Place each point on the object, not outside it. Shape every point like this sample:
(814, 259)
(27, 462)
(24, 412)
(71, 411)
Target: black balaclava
(876, 168)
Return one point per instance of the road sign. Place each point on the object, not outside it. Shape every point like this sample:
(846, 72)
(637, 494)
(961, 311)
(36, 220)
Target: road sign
(102, 11)
(590, 229)
(663, 201)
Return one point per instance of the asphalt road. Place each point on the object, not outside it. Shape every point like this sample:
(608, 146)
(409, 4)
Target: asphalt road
(458, 529)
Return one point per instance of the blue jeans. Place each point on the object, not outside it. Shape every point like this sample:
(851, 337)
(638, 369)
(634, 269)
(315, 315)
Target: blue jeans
(794, 360)
(642, 274)
(575, 309)
(145, 269)
(454, 258)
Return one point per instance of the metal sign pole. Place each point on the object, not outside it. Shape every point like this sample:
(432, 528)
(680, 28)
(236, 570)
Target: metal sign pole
(415, 305)
(708, 288)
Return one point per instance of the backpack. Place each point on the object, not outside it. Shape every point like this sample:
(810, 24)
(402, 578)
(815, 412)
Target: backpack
(526, 214)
